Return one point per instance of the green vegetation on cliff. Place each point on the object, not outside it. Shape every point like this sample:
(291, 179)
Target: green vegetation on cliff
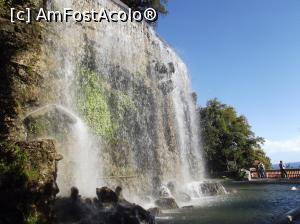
(103, 108)
(228, 137)
(27, 181)
(16, 178)
(92, 103)
(14, 169)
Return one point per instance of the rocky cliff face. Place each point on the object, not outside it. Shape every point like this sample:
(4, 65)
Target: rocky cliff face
(20, 80)
(27, 181)
(114, 96)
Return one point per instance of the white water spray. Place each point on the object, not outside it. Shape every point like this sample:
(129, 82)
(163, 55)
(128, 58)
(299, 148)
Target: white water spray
(82, 166)
(187, 124)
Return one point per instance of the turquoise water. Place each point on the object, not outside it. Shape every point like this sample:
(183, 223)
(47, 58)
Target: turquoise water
(251, 204)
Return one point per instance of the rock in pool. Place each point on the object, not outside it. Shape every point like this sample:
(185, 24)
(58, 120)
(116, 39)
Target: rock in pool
(106, 195)
(166, 203)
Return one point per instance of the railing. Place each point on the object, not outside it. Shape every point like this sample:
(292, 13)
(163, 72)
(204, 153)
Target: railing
(274, 174)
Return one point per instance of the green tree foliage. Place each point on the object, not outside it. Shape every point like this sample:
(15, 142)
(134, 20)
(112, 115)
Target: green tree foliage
(141, 5)
(228, 137)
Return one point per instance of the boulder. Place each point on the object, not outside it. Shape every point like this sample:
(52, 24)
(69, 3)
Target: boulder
(106, 195)
(118, 192)
(68, 210)
(74, 194)
(212, 188)
(172, 187)
(130, 214)
(245, 174)
(166, 203)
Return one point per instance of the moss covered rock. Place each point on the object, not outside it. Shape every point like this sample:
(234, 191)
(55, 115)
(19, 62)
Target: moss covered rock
(27, 186)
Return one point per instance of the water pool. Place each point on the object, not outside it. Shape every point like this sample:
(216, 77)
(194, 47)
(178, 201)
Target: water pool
(251, 204)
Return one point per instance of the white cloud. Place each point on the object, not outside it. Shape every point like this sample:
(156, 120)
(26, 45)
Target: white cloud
(287, 145)
(287, 150)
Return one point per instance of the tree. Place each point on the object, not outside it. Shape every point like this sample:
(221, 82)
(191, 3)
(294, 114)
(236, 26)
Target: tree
(141, 5)
(228, 137)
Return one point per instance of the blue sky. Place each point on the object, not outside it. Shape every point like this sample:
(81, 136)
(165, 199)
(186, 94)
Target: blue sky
(247, 54)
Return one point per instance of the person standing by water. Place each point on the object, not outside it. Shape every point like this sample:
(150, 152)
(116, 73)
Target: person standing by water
(261, 170)
(282, 170)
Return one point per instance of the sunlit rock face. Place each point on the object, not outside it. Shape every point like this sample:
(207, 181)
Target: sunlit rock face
(121, 106)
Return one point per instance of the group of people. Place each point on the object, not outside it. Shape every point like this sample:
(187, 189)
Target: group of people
(262, 172)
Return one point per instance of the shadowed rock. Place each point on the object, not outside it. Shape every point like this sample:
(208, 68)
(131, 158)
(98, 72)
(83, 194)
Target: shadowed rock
(106, 195)
(29, 185)
(77, 210)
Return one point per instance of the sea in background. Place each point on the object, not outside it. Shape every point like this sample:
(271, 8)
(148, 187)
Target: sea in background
(293, 165)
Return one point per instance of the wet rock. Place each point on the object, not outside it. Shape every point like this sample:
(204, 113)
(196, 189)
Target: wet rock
(118, 192)
(106, 195)
(171, 67)
(75, 194)
(76, 210)
(166, 203)
(166, 86)
(121, 199)
(172, 186)
(133, 214)
(154, 211)
(161, 68)
(212, 188)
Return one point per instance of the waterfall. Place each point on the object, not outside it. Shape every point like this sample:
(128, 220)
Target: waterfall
(187, 119)
(187, 126)
(82, 167)
(132, 99)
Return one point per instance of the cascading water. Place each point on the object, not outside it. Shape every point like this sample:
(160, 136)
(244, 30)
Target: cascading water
(130, 90)
(82, 167)
(186, 118)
